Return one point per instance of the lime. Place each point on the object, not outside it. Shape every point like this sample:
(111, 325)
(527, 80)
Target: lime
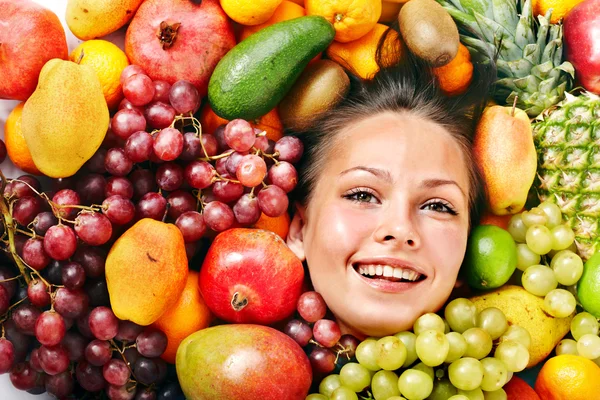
(588, 287)
(491, 257)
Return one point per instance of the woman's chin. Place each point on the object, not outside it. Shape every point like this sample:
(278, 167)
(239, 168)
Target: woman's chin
(379, 324)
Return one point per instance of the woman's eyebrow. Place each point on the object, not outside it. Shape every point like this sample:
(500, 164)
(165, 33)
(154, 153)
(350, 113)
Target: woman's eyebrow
(379, 173)
(433, 183)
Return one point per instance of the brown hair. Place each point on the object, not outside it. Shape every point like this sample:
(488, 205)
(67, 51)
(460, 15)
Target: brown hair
(407, 87)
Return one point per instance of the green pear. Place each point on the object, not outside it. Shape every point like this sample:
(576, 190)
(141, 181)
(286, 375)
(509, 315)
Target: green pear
(65, 119)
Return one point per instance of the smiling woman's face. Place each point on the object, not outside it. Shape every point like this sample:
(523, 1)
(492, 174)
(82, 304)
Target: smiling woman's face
(386, 228)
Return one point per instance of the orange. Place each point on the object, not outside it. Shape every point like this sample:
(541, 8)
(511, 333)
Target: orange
(188, 315)
(455, 77)
(518, 389)
(280, 225)
(270, 122)
(389, 11)
(108, 61)
(299, 2)
(352, 19)
(16, 147)
(560, 8)
(568, 377)
(286, 10)
(501, 221)
(250, 12)
(359, 56)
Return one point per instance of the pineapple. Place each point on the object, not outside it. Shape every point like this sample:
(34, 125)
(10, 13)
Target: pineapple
(567, 139)
(530, 56)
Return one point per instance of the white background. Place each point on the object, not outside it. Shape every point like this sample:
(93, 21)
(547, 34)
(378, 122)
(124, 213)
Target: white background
(7, 391)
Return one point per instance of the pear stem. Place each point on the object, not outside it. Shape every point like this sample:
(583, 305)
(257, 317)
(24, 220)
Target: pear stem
(512, 114)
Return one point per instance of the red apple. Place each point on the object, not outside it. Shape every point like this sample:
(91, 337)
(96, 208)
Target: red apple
(179, 40)
(251, 276)
(30, 36)
(582, 40)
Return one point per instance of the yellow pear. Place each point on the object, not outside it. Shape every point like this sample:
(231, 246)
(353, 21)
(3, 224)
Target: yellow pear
(91, 19)
(506, 156)
(65, 119)
(526, 310)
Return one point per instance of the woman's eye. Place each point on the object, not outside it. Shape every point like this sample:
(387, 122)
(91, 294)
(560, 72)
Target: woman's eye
(361, 197)
(439, 207)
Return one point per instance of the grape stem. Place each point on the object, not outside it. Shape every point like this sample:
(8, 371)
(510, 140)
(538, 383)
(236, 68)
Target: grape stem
(122, 353)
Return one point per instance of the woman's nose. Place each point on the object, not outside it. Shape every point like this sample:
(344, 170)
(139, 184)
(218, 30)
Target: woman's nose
(398, 227)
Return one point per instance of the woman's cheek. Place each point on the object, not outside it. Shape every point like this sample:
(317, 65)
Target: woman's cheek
(447, 245)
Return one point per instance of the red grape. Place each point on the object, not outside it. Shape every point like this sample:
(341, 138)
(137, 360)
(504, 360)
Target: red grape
(159, 115)
(37, 291)
(239, 135)
(66, 197)
(227, 191)
(60, 242)
(60, 385)
(93, 228)
(170, 391)
(97, 291)
(246, 210)
(53, 359)
(218, 216)
(129, 71)
(192, 226)
(128, 331)
(261, 142)
(91, 188)
(138, 89)
(25, 316)
(284, 175)
(151, 343)
(10, 286)
(115, 372)
(219, 134)
(145, 370)
(199, 174)
(168, 144)
(89, 377)
(54, 272)
(24, 185)
(233, 161)
(118, 185)
(103, 323)
(151, 205)
(117, 163)
(7, 355)
(4, 300)
(161, 91)
(92, 260)
(111, 139)
(221, 165)
(20, 341)
(83, 326)
(23, 376)
(139, 146)
(210, 145)
(251, 170)
(327, 332)
(273, 201)
(26, 209)
(300, 331)
(3, 152)
(290, 149)
(75, 345)
(121, 392)
(184, 97)
(311, 306)
(192, 147)
(145, 394)
(143, 182)
(118, 209)
(50, 328)
(96, 163)
(34, 255)
(179, 202)
(169, 176)
(71, 303)
(349, 343)
(34, 360)
(98, 352)
(127, 121)
(322, 360)
(73, 275)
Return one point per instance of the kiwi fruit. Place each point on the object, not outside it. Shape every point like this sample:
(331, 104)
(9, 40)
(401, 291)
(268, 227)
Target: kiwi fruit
(429, 31)
(322, 85)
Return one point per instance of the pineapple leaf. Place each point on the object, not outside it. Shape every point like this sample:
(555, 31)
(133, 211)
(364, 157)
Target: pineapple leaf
(483, 7)
(524, 34)
(505, 13)
(568, 68)
(490, 29)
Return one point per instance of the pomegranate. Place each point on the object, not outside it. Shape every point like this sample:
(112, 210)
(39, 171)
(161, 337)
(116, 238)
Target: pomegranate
(179, 40)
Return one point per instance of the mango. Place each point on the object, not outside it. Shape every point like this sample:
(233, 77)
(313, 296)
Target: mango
(146, 271)
(526, 310)
(65, 119)
(91, 19)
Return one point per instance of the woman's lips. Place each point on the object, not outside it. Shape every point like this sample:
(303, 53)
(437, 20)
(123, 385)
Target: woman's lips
(385, 285)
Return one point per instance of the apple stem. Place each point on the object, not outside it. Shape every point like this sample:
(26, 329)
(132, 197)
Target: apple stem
(238, 302)
(514, 106)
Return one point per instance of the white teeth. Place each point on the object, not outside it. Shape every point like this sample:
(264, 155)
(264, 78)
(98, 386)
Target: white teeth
(371, 270)
(406, 274)
(379, 270)
(397, 273)
(388, 271)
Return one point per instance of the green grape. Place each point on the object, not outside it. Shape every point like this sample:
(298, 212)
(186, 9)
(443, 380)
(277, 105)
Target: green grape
(446, 327)
(517, 228)
(384, 385)
(518, 334)
(553, 212)
(316, 396)
(458, 397)
(567, 267)
(567, 346)
(427, 322)
(539, 280)
(409, 339)
(396, 398)
(329, 384)
(509, 376)
(588, 346)
(539, 239)
(355, 376)
(562, 237)
(442, 390)
(466, 373)
(415, 385)
(499, 394)
(432, 347)
(526, 257)
(514, 355)
(366, 354)
(460, 314)
(425, 368)
(535, 216)
(559, 303)
(458, 346)
(584, 323)
(493, 321)
(391, 353)
(343, 393)
(494, 374)
(475, 394)
(479, 343)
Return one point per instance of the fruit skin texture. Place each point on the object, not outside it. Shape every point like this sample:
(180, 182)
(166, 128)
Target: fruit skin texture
(255, 75)
(251, 276)
(581, 26)
(250, 12)
(146, 271)
(191, 53)
(588, 287)
(568, 377)
(455, 77)
(90, 19)
(518, 389)
(285, 11)
(188, 315)
(242, 362)
(352, 19)
(65, 120)
(491, 257)
(30, 36)
(500, 139)
(16, 146)
(526, 310)
(270, 122)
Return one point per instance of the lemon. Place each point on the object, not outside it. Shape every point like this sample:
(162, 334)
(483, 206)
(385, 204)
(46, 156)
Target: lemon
(588, 288)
